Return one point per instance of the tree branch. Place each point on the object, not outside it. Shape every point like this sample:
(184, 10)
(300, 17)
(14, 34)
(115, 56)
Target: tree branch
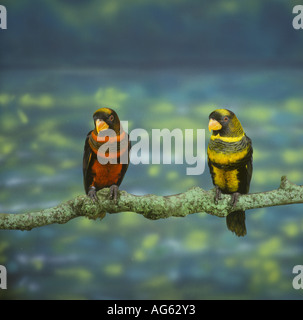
(151, 206)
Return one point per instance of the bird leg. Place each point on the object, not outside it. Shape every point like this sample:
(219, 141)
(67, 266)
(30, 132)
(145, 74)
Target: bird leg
(218, 195)
(113, 195)
(92, 193)
(235, 198)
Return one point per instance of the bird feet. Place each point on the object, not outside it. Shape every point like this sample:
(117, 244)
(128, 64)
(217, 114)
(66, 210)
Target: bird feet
(113, 194)
(234, 197)
(218, 195)
(92, 194)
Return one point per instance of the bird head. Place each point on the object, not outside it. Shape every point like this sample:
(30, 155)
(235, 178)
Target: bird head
(225, 123)
(106, 118)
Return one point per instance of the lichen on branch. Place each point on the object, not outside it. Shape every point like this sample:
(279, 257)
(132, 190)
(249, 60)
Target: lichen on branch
(152, 206)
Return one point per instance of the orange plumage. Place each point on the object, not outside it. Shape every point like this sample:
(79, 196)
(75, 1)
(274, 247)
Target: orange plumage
(106, 154)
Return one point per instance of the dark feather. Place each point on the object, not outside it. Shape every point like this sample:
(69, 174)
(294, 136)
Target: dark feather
(87, 157)
(235, 222)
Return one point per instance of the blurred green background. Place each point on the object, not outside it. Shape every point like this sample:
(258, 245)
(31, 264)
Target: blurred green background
(159, 64)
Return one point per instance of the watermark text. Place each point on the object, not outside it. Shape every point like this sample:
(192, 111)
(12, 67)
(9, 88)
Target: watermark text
(3, 17)
(297, 281)
(297, 22)
(3, 277)
(164, 146)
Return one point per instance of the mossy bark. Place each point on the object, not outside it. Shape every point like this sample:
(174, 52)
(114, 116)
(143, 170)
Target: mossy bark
(151, 206)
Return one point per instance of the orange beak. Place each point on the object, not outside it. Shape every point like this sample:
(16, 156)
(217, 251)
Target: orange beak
(214, 125)
(101, 125)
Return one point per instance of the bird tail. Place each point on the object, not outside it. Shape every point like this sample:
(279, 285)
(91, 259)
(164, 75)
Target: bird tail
(236, 223)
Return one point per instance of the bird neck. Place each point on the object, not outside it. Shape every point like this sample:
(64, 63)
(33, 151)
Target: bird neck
(118, 143)
(227, 138)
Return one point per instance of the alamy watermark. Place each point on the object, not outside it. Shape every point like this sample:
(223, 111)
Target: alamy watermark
(297, 22)
(3, 17)
(297, 281)
(3, 277)
(188, 147)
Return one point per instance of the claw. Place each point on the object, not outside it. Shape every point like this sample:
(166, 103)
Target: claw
(218, 195)
(113, 195)
(92, 194)
(235, 198)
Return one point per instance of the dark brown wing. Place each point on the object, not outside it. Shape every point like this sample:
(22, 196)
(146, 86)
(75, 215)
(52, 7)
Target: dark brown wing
(210, 166)
(245, 172)
(87, 157)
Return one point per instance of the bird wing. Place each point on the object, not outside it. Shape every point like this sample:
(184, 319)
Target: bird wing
(249, 165)
(87, 155)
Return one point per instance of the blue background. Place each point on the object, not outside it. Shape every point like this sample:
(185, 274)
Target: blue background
(159, 65)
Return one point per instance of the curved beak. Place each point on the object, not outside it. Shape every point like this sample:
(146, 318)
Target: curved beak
(214, 125)
(101, 125)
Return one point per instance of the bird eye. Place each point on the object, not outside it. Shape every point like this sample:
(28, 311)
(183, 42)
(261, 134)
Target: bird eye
(111, 117)
(225, 119)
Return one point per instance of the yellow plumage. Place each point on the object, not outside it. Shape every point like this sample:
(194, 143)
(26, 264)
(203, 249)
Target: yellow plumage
(226, 158)
(230, 162)
(226, 180)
